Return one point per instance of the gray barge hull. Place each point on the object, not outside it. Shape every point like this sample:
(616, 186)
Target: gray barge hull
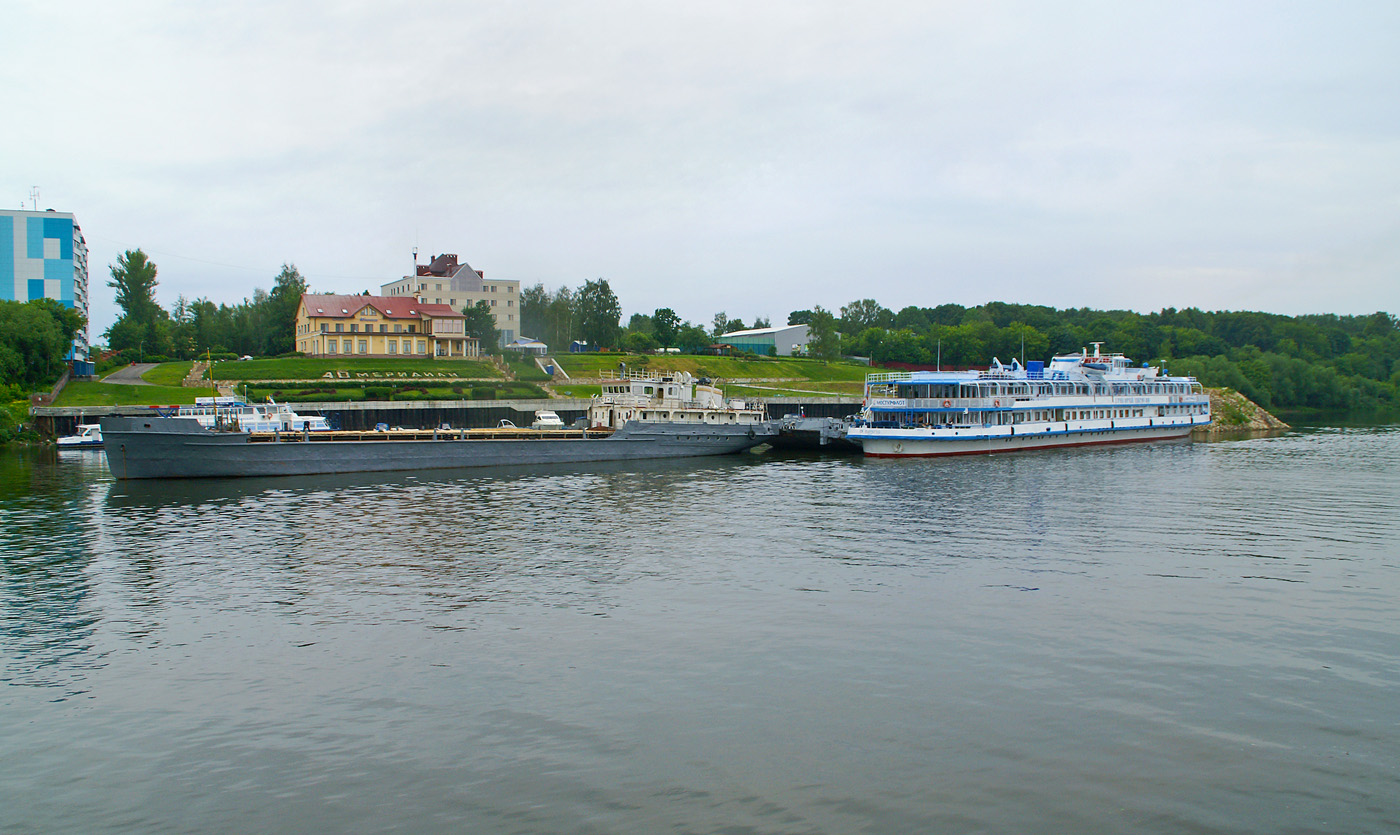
(176, 447)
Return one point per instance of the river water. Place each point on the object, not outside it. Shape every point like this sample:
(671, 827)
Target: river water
(1162, 638)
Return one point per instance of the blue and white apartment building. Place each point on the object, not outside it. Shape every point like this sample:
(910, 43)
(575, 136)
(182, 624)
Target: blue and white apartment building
(44, 255)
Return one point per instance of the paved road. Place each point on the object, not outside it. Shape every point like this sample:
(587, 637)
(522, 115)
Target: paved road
(131, 374)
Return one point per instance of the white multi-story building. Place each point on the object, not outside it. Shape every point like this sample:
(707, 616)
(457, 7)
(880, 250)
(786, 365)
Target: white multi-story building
(44, 255)
(446, 281)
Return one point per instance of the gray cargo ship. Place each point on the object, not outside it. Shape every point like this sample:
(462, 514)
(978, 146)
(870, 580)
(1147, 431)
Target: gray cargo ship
(637, 417)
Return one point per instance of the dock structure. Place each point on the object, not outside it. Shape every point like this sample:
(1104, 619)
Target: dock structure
(800, 432)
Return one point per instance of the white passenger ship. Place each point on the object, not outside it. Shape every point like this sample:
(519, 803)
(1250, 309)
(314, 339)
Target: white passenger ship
(1081, 399)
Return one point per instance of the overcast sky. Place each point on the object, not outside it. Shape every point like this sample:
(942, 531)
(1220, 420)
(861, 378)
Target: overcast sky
(754, 157)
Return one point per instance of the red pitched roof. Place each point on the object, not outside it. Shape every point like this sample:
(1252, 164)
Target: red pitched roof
(391, 307)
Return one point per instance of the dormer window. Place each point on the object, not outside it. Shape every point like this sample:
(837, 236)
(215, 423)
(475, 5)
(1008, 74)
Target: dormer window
(344, 312)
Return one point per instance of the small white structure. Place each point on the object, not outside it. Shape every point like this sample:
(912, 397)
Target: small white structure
(528, 346)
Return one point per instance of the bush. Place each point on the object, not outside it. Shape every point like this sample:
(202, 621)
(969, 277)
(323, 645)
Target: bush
(378, 392)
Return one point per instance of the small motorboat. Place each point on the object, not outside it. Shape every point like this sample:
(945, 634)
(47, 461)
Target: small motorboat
(546, 420)
(89, 435)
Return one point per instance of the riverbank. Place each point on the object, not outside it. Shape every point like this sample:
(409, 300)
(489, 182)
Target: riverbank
(1233, 414)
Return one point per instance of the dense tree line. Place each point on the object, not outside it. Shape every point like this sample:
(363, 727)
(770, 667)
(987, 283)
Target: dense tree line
(35, 338)
(264, 325)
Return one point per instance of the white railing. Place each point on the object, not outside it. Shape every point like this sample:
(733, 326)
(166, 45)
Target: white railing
(1023, 402)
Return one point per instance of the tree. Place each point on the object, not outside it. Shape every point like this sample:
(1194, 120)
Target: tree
(866, 313)
(761, 322)
(640, 323)
(481, 324)
(823, 340)
(534, 310)
(637, 342)
(283, 302)
(800, 317)
(692, 338)
(35, 337)
(143, 325)
(561, 321)
(134, 278)
(721, 324)
(599, 314)
(666, 324)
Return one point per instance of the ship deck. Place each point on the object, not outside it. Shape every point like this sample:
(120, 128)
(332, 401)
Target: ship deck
(391, 435)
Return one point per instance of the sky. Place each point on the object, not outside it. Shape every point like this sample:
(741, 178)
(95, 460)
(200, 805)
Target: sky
(748, 157)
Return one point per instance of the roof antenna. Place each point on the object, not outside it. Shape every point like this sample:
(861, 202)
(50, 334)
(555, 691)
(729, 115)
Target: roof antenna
(34, 197)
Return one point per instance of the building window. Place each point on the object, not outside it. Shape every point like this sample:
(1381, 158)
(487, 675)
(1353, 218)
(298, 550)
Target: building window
(354, 328)
(364, 347)
(330, 347)
(407, 347)
(493, 302)
(437, 287)
(422, 346)
(437, 301)
(398, 328)
(383, 328)
(325, 327)
(510, 302)
(393, 346)
(412, 328)
(340, 327)
(347, 346)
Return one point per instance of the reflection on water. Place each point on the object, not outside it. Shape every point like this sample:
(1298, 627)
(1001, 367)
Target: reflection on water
(1161, 638)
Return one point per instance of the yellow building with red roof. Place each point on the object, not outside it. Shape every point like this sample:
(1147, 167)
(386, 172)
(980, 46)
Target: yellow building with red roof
(380, 326)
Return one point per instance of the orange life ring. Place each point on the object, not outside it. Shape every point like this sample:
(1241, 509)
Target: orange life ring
(947, 403)
(996, 403)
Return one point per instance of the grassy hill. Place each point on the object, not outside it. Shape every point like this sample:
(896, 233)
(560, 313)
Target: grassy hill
(726, 368)
(308, 368)
(86, 393)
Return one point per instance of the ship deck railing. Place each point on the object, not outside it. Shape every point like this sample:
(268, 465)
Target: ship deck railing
(1020, 402)
(521, 433)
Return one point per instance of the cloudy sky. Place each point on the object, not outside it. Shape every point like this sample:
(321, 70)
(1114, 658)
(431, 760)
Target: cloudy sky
(753, 158)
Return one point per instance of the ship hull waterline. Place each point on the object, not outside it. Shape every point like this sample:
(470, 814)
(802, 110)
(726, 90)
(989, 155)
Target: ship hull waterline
(905, 446)
(180, 448)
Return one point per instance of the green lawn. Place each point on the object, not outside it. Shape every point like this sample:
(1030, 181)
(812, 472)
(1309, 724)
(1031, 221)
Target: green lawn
(525, 369)
(800, 388)
(85, 393)
(307, 368)
(168, 373)
(726, 368)
(479, 390)
(582, 391)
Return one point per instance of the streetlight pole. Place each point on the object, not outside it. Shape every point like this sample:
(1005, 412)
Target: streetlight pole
(141, 352)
